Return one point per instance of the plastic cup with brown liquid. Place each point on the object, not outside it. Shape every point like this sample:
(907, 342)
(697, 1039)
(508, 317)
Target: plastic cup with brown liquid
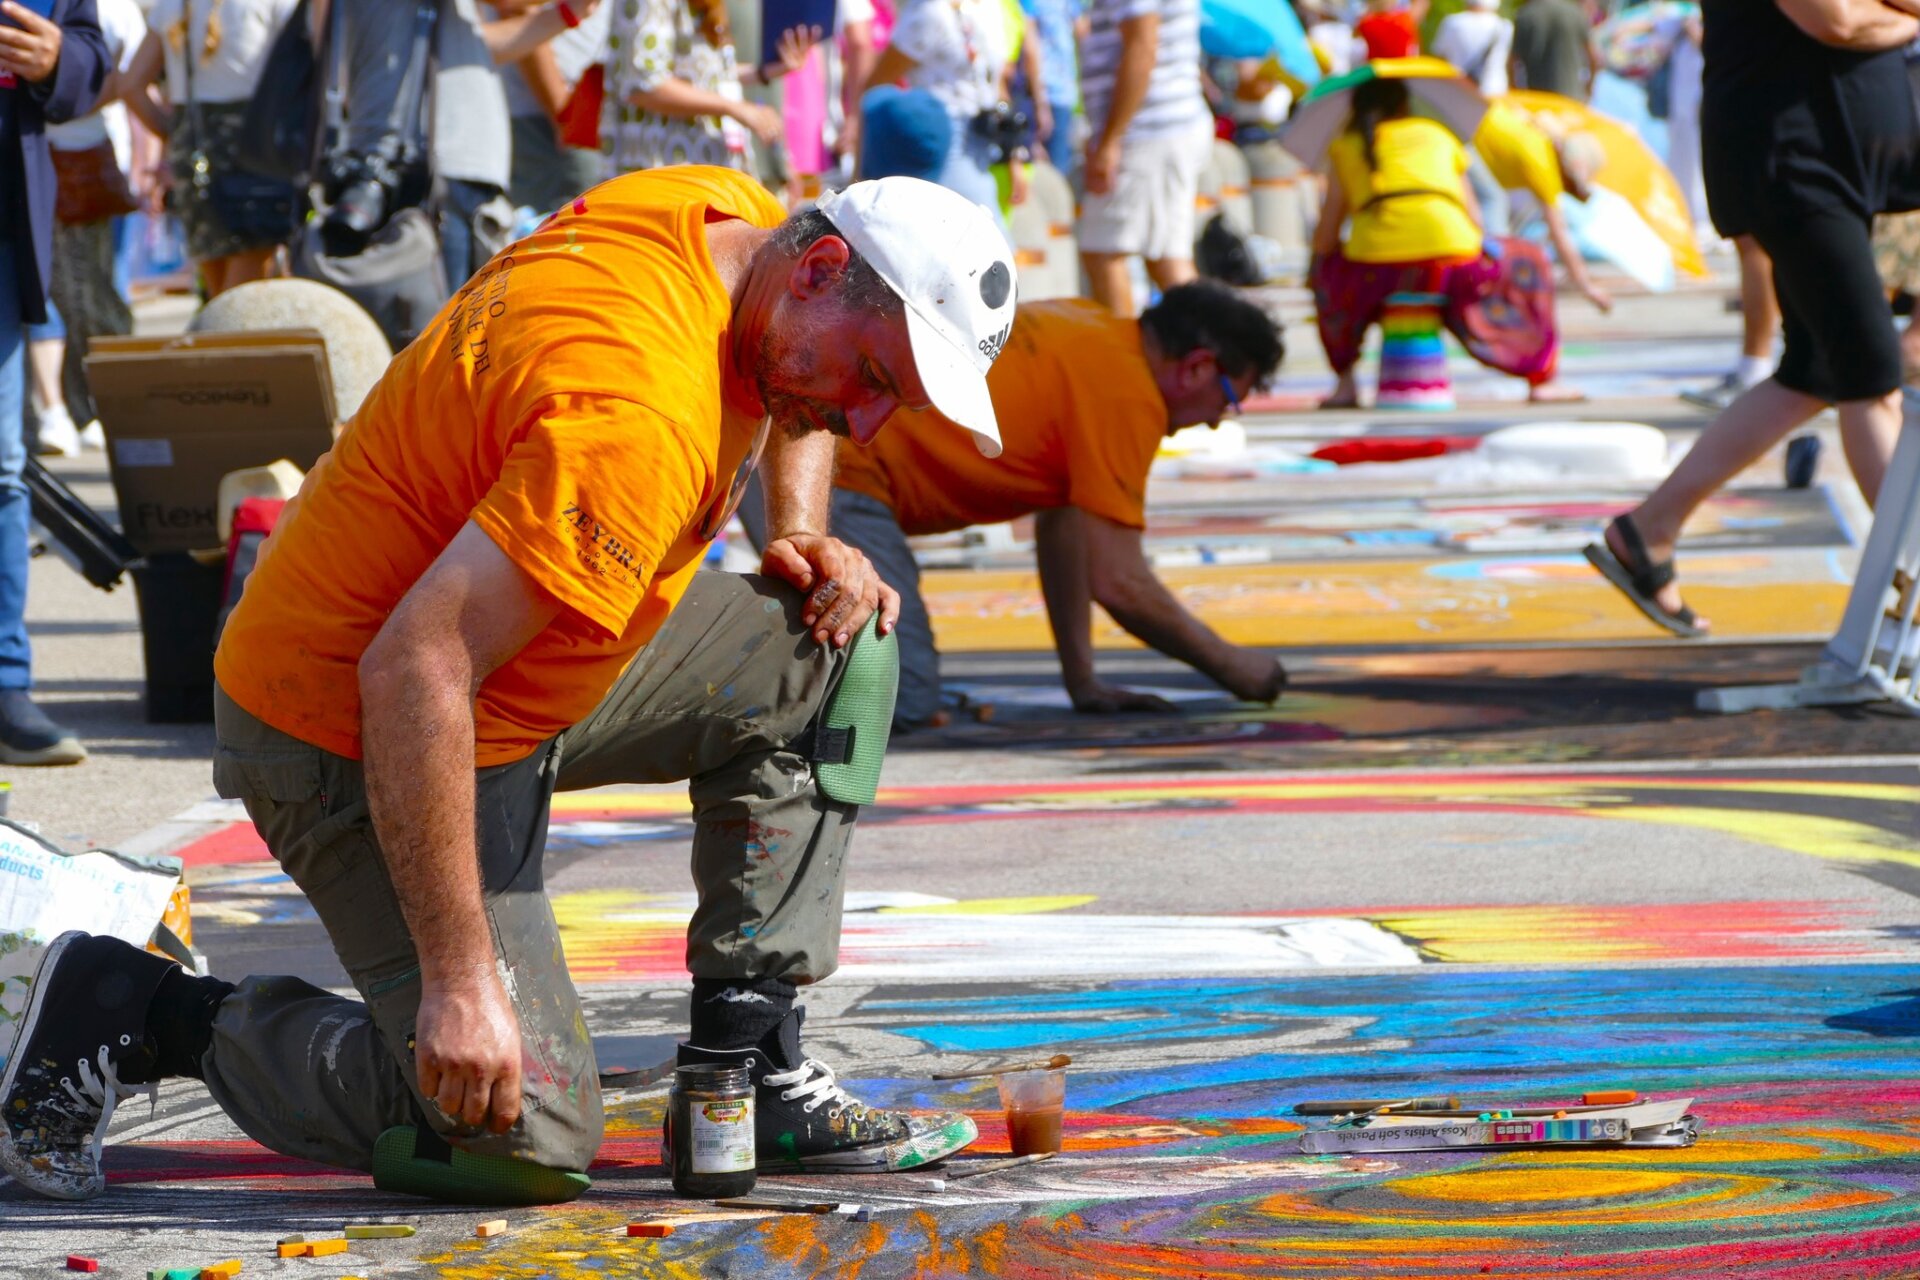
(1034, 1101)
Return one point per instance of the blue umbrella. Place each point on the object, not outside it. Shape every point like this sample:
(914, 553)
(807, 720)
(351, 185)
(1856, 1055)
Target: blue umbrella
(1255, 29)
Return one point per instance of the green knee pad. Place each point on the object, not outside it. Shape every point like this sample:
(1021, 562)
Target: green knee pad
(418, 1162)
(851, 734)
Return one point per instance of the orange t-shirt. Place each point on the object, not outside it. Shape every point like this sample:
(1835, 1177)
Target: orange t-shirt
(1080, 421)
(569, 402)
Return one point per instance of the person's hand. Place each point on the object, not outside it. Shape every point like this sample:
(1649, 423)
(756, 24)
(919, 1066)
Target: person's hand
(583, 9)
(848, 141)
(790, 52)
(1018, 182)
(1103, 163)
(466, 1046)
(763, 120)
(150, 186)
(844, 589)
(1096, 697)
(1602, 300)
(1042, 119)
(30, 49)
(1252, 676)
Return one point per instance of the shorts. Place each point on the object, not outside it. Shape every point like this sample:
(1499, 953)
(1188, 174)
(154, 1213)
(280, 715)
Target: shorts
(1840, 341)
(1150, 210)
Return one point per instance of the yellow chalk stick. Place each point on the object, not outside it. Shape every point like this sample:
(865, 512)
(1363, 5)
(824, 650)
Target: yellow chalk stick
(379, 1231)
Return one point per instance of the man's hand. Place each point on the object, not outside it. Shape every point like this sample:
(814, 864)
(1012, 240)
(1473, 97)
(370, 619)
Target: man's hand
(30, 48)
(1253, 677)
(843, 588)
(466, 1046)
(1103, 165)
(1602, 300)
(1096, 697)
(1043, 121)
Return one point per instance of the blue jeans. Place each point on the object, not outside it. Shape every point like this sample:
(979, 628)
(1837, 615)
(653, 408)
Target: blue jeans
(16, 658)
(457, 241)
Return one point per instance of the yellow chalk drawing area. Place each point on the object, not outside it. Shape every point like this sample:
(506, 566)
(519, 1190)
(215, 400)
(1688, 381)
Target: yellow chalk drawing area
(1398, 602)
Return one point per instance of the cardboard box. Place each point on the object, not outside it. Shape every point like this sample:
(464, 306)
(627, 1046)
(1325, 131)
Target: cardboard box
(180, 412)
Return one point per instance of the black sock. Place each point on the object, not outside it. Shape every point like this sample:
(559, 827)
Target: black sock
(180, 1021)
(737, 1013)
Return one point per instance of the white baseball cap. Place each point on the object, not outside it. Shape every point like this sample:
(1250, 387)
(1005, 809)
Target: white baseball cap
(946, 258)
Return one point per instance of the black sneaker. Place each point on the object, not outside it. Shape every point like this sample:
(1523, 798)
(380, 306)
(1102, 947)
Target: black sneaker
(81, 1050)
(803, 1120)
(27, 736)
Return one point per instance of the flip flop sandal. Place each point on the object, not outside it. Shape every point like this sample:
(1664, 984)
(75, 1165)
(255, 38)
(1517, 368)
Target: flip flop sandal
(1640, 581)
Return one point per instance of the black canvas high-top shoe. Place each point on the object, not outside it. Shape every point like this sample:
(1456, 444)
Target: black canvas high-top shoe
(82, 1050)
(804, 1120)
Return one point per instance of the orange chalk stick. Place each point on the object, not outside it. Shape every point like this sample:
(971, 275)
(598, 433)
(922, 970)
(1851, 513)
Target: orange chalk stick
(1610, 1097)
(652, 1230)
(325, 1248)
(295, 1249)
(221, 1270)
(492, 1228)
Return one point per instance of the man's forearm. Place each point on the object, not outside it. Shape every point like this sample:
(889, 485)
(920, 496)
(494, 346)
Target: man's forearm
(1139, 46)
(1866, 26)
(1152, 615)
(1061, 550)
(511, 39)
(1564, 247)
(417, 741)
(797, 474)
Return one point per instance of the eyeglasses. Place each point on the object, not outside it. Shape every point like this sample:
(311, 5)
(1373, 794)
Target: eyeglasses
(1231, 398)
(723, 507)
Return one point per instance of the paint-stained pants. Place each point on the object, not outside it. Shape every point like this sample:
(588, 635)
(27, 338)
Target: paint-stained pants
(725, 697)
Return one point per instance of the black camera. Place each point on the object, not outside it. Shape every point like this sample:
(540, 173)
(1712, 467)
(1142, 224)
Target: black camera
(363, 189)
(1005, 128)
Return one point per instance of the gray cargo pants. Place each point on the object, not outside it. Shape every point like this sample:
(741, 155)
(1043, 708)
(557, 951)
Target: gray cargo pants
(725, 696)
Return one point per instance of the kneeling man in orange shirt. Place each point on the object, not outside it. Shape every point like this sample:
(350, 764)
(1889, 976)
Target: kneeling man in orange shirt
(487, 591)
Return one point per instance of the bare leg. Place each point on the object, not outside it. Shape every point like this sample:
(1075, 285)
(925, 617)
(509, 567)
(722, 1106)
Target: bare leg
(44, 359)
(240, 268)
(1346, 392)
(1868, 431)
(1168, 272)
(1732, 442)
(1759, 308)
(1910, 347)
(1107, 278)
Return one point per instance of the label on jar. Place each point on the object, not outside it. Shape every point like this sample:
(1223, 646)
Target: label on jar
(723, 1136)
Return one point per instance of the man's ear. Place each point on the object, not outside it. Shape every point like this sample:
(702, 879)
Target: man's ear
(820, 268)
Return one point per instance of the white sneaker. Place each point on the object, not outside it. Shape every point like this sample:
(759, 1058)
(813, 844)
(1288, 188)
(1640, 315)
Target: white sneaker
(59, 438)
(93, 437)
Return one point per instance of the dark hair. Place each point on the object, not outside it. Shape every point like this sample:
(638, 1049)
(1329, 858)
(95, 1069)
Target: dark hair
(862, 288)
(1210, 316)
(1374, 103)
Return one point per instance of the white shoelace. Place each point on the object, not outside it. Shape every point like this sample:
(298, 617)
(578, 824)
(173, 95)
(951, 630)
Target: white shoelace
(817, 1091)
(106, 1092)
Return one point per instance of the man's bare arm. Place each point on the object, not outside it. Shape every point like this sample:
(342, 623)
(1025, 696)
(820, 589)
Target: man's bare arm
(469, 613)
(1125, 586)
(1066, 586)
(1866, 26)
(843, 589)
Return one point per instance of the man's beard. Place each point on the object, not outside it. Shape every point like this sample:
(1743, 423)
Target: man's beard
(784, 356)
